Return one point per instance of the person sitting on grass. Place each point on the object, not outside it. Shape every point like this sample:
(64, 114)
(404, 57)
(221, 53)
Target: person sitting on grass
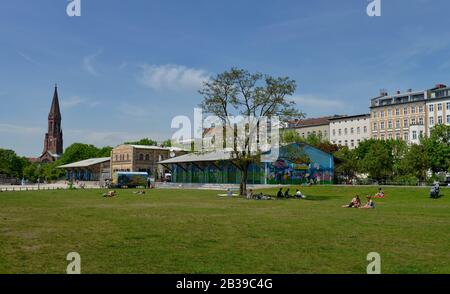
(299, 195)
(370, 204)
(355, 203)
(380, 194)
(250, 194)
(286, 194)
(229, 193)
(280, 193)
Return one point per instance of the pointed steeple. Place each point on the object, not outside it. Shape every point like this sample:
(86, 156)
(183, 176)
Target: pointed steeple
(54, 109)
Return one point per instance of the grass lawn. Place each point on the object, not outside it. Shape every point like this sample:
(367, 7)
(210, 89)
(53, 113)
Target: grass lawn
(194, 231)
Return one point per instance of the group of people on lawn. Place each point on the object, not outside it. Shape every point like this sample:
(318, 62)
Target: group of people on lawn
(356, 201)
(280, 195)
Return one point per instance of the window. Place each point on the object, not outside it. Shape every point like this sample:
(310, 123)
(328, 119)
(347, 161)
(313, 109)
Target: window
(390, 124)
(397, 111)
(390, 136)
(421, 121)
(358, 130)
(345, 131)
(448, 106)
(420, 109)
(147, 157)
(440, 107)
(374, 126)
(397, 136)
(397, 124)
(382, 137)
(340, 132)
(141, 157)
(440, 120)
(431, 108)
(448, 119)
(413, 109)
(405, 110)
(340, 142)
(413, 121)
(346, 143)
(352, 131)
(334, 132)
(374, 114)
(352, 143)
(382, 125)
(414, 135)
(405, 123)
(431, 121)
(390, 112)
(406, 136)
(365, 129)
(382, 114)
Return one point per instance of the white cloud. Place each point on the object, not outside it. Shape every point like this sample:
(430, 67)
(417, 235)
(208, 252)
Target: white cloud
(172, 77)
(88, 63)
(75, 101)
(20, 130)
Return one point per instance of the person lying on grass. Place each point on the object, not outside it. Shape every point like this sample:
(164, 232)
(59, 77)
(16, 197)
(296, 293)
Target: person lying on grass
(110, 194)
(141, 192)
(355, 203)
(370, 204)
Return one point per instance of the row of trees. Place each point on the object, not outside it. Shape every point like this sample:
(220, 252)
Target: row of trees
(388, 161)
(14, 166)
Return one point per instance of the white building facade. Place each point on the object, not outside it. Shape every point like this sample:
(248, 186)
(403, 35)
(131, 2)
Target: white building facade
(350, 131)
(438, 107)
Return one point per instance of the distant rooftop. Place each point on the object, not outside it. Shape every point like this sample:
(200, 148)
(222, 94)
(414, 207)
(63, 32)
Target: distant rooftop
(86, 163)
(311, 122)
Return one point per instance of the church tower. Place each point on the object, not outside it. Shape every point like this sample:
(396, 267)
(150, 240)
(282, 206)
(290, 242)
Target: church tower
(53, 143)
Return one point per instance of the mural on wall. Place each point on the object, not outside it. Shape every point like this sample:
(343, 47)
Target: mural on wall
(298, 164)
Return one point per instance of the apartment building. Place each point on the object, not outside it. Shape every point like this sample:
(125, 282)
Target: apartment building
(318, 126)
(402, 116)
(438, 107)
(350, 131)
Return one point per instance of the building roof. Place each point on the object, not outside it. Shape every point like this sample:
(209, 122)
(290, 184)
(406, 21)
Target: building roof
(199, 157)
(344, 117)
(154, 147)
(86, 163)
(311, 122)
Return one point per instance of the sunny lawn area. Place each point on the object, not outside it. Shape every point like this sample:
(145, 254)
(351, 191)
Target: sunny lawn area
(194, 231)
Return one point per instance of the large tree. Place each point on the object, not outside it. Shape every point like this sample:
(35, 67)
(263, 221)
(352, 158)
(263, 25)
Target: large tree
(239, 92)
(11, 165)
(437, 148)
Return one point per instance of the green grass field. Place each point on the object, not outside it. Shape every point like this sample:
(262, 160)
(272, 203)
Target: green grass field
(193, 231)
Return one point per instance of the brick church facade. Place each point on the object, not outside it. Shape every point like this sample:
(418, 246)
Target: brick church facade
(53, 141)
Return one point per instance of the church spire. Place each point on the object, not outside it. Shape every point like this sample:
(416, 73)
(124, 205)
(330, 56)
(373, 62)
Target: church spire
(54, 109)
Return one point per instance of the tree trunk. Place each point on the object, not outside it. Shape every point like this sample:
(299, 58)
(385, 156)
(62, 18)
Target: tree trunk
(243, 184)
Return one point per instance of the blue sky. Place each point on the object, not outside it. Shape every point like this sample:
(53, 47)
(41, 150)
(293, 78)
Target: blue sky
(125, 68)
